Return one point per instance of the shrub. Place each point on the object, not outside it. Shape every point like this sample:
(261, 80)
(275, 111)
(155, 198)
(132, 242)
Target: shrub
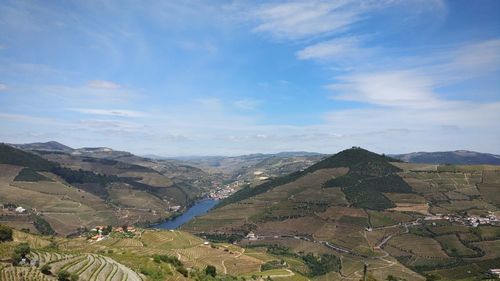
(182, 270)
(45, 269)
(5, 233)
(63, 275)
(153, 273)
(211, 270)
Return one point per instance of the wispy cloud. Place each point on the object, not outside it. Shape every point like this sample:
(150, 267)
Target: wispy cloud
(102, 84)
(110, 112)
(417, 85)
(394, 88)
(3, 87)
(28, 119)
(300, 19)
(340, 49)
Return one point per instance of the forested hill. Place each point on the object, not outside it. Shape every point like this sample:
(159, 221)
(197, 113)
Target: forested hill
(359, 161)
(463, 157)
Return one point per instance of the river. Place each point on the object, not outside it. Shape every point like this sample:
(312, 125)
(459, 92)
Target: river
(199, 208)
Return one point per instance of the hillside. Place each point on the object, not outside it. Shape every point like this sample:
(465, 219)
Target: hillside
(406, 220)
(10, 155)
(47, 146)
(463, 157)
(360, 163)
(253, 168)
(70, 192)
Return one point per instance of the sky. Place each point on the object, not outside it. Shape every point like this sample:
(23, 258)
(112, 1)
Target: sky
(178, 78)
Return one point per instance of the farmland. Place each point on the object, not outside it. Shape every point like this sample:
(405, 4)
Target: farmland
(117, 259)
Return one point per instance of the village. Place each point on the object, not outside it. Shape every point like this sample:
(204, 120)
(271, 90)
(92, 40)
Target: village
(472, 221)
(223, 191)
(99, 233)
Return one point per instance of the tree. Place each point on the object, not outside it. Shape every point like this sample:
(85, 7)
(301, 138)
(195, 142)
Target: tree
(5, 233)
(211, 270)
(20, 252)
(63, 275)
(23, 249)
(107, 230)
(45, 269)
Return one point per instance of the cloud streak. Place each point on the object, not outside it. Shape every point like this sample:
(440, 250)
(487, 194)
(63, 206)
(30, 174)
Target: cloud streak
(110, 112)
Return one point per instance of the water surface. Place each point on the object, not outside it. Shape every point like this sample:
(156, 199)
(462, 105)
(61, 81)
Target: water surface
(199, 208)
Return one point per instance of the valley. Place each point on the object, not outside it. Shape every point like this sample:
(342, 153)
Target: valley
(325, 219)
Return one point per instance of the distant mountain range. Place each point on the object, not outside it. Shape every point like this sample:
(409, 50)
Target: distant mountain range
(465, 157)
(53, 146)
(450, 157)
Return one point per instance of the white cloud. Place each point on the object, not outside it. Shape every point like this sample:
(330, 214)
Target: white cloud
(102, 84)
(300, 19)
(342, 49)
(3, 87)
(405, 88)
(417, 84)
(110, 112)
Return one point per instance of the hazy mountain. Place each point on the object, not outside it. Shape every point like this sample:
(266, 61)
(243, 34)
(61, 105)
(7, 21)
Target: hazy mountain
(450, 157)
(47, 146)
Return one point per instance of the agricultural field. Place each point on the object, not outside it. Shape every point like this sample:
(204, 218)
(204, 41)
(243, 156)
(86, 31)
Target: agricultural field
(118, 259)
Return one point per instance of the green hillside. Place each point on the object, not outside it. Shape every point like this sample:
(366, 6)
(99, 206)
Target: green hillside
(361, 163)
(13, 156)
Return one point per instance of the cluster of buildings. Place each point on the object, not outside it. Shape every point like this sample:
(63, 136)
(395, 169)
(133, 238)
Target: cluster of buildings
(14, 208)
(251, 236)
(223, 191)
(473, 221)
(174, 208)
(103, 231)
(495, 271)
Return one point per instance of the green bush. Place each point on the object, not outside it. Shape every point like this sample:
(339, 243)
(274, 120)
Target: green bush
(5, 233)
(211, 270)
(45, 269)
(63, 275)
(153, 273)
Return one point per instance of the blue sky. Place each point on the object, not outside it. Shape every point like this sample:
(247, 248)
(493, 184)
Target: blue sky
(236, 77)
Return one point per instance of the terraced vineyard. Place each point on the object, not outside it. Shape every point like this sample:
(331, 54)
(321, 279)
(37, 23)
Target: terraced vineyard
(89, 267)
(16, 273)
